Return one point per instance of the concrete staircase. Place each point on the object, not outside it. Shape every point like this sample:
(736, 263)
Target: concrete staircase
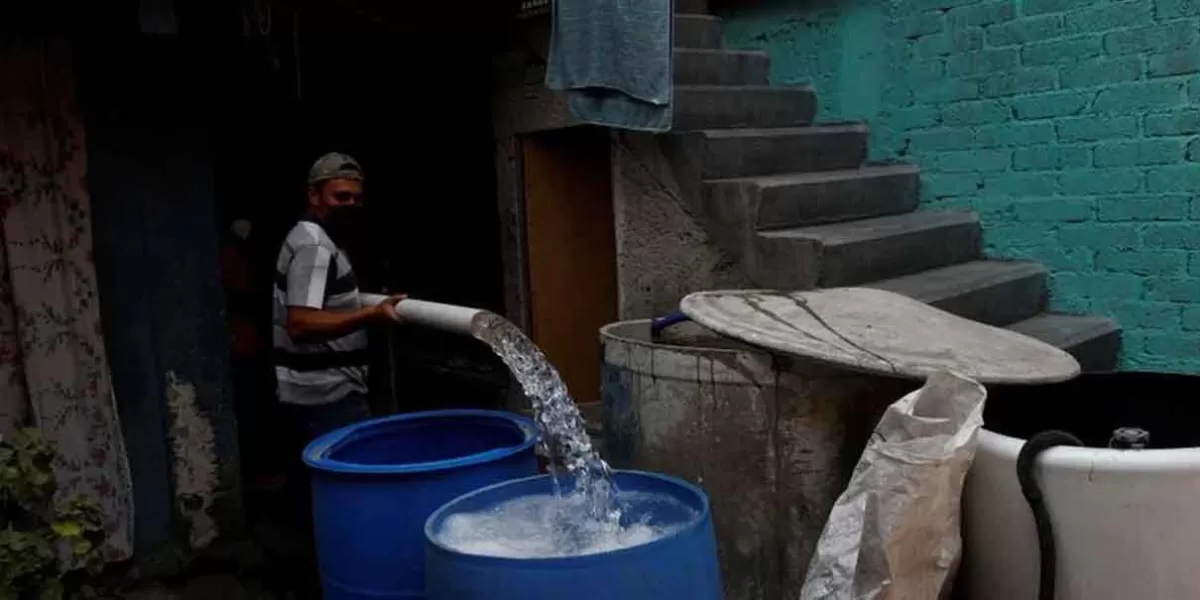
(798, 205)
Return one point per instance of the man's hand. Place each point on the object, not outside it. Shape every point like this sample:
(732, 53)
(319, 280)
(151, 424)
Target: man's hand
(387, 309)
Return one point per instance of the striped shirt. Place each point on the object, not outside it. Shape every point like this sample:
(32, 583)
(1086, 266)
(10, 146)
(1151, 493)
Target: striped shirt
(313, 272)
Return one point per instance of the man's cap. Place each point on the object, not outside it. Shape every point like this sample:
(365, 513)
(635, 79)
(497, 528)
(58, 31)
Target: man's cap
(335, 165)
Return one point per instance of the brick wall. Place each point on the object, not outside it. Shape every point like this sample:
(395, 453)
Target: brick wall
(1071, 126)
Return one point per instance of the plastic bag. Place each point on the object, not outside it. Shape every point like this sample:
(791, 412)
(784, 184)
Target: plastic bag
(894, 533)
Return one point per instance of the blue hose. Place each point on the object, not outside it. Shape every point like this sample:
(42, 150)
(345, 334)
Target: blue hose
(661, 323)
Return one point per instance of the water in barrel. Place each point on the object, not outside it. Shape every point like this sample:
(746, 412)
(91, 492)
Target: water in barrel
(586, 516)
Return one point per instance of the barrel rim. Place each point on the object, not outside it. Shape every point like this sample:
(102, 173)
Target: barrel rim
(1086, 458)
(607, 333)
(316, 453)
(701, 516)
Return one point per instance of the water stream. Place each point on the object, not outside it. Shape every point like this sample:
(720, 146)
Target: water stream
(564, 436)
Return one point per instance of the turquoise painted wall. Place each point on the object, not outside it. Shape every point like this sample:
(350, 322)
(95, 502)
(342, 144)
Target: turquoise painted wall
(1069, 125)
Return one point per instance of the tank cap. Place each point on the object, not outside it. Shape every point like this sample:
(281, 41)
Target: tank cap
(1129, 438)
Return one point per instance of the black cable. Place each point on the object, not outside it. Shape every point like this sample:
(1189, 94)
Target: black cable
(1033, 495)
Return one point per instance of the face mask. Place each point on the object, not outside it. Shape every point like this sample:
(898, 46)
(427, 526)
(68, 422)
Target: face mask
(344, 223)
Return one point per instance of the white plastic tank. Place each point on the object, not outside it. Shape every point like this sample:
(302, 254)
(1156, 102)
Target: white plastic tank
(1126, 522)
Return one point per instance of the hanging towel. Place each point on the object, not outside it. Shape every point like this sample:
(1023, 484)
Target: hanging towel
(613, 59)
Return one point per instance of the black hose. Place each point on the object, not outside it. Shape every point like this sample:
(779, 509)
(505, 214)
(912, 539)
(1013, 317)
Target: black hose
(1033, 495)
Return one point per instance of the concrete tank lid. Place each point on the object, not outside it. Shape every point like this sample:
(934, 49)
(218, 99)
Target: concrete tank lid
(879, 332)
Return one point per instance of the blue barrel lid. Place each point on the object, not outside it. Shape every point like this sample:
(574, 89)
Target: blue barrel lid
(453, 506)
(317, 453)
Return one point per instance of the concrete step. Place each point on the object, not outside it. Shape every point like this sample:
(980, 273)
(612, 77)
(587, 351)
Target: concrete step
(799, 199)
(1094, 341)
(988, 291)
(867, 250)
(691, 7)
(703, 66)
(722, 106)
(697, 31)
(752, 152)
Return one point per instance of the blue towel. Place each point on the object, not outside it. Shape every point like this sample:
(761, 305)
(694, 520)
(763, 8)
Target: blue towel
(613, 59)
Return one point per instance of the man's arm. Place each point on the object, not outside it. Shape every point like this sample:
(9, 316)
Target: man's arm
(304, 323)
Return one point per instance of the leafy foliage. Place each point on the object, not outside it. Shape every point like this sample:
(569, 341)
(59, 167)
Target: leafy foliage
(42, 543)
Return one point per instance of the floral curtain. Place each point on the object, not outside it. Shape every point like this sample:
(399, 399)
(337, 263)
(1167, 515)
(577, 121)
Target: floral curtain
(53, 371)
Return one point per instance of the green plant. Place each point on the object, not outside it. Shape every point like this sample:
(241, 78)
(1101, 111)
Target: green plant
(44, 545)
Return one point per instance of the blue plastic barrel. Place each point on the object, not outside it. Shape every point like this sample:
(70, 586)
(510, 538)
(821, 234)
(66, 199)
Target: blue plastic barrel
(680, 566)
(374, 484)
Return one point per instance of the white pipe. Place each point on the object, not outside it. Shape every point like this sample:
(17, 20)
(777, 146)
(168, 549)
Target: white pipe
(447, 317)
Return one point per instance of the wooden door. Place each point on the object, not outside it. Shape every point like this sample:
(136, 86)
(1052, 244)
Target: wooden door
(571, 251)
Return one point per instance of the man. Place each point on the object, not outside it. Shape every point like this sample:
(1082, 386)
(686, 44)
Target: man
(319, 315)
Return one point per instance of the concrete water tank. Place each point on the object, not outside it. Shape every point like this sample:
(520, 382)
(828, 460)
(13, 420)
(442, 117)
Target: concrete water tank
(771, 440)
(1126, 522)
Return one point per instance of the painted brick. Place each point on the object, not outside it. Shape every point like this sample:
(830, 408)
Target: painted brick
(1101, 72)
(1133, 97)
(1038, 7)
(1066, 259)
(1021, 81)
(1092, 235)
(1023, 31)
(1056, 210)
(940, 185)
(1172, 235)
(1014, 134)
(922, 5)
(1194, 89)
(984, 61)
(1101, 181)
(1109, 16)
(970, 161)
(1087, 129)
(1173, 344)
(923, 71)
(1190, 318)
(958, 40)
(913, 118)
(1142, 315)
(1100, 284)
(1022, 184)
(1168, 9)
(1181, 62)
(1193, 264)
(976, 113)
(1181, 122)
(986, 13)
(897, 95)
(940, 139)
(993, 210)
(1173, 289)
(1163, 263)
(951, 90)
(1194, 211)
(1063, 51)
(1018, 235)
(922, 24)
(1193, 150)
(1141, 152)
(1062, 301)
(1044, 158)
(1054, 104)
(1142, 208)
(1174, 179)
(1155, 38)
